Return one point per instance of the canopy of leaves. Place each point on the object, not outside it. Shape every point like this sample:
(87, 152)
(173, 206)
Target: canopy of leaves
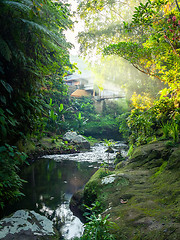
(103, 22)
(158, 53)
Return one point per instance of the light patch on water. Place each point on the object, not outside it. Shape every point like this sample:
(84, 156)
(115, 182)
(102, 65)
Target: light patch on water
(72, 226)
(97, 153)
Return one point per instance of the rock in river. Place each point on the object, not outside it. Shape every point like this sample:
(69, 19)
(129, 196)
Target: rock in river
(73, 137)
(27, 225)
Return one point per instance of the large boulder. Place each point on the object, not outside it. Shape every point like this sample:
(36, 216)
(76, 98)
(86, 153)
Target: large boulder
(151, 155)
(79, 140)
(27, 225)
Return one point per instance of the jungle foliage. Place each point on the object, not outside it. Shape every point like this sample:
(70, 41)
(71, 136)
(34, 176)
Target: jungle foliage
(32, 50)
(105, 123)
(149, 40)
(155, 53)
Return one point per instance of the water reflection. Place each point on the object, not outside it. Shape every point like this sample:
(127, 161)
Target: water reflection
(48, 190)
(52, 180)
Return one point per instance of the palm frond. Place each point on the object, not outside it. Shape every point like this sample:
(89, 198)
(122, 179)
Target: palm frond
(5, 50)
(7, 86)
(40, 28)
(18, 5)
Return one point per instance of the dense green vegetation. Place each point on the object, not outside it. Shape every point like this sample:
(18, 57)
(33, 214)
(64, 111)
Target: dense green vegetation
(148, 39)
(105, 123)
(34, 99)
(35, 102)
(33, 51)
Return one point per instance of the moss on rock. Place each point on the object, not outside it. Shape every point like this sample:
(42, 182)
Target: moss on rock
(141, 196)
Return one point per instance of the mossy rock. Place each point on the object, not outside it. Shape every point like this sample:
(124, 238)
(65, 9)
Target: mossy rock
(144, 200)
(151, 155)
(93, 187)
(99, 186)
(120, 165)
(174, 159)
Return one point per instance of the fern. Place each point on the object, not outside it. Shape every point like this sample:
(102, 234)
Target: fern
(32, 46)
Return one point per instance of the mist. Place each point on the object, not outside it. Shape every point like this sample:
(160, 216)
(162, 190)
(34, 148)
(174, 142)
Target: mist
(117, 74)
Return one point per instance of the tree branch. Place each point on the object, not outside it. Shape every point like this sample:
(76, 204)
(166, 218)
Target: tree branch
(177, 5)
(146, 72)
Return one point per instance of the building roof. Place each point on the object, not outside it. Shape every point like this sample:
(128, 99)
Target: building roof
(75, 77)
(80, 93)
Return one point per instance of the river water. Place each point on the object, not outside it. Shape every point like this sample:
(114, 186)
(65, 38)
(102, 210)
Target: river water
(53, 179)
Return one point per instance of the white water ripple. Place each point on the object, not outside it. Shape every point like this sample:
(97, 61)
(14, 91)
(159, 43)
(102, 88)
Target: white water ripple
(97, 153)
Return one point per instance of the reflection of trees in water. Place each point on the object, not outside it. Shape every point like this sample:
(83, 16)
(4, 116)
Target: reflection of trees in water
(49, 189)
(49, 183)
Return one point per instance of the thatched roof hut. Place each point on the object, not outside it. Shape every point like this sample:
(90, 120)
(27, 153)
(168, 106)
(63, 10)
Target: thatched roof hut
(80, 93)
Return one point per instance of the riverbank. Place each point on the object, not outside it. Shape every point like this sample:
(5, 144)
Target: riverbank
(35, 148)
(141, 195)
(52, 180)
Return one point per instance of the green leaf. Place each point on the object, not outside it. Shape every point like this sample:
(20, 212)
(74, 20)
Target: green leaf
(2, 120)
(11, 154)
(6, 86)
(61, 107)
(12, 121)
(79, 116)
(52, 114)
(50, 103)
(7, 110)
(3, 130)
(3, 99)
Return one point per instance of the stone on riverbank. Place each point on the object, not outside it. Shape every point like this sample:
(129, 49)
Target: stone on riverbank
(73, 137)
(27, 225)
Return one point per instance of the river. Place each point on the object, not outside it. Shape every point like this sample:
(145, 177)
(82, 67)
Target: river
(53, 179)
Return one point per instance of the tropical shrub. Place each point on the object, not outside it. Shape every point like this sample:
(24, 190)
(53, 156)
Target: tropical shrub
(123, 125)
(10, 182)
(97, 226)
(103, 127)
(160, 120)
(152, 46)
